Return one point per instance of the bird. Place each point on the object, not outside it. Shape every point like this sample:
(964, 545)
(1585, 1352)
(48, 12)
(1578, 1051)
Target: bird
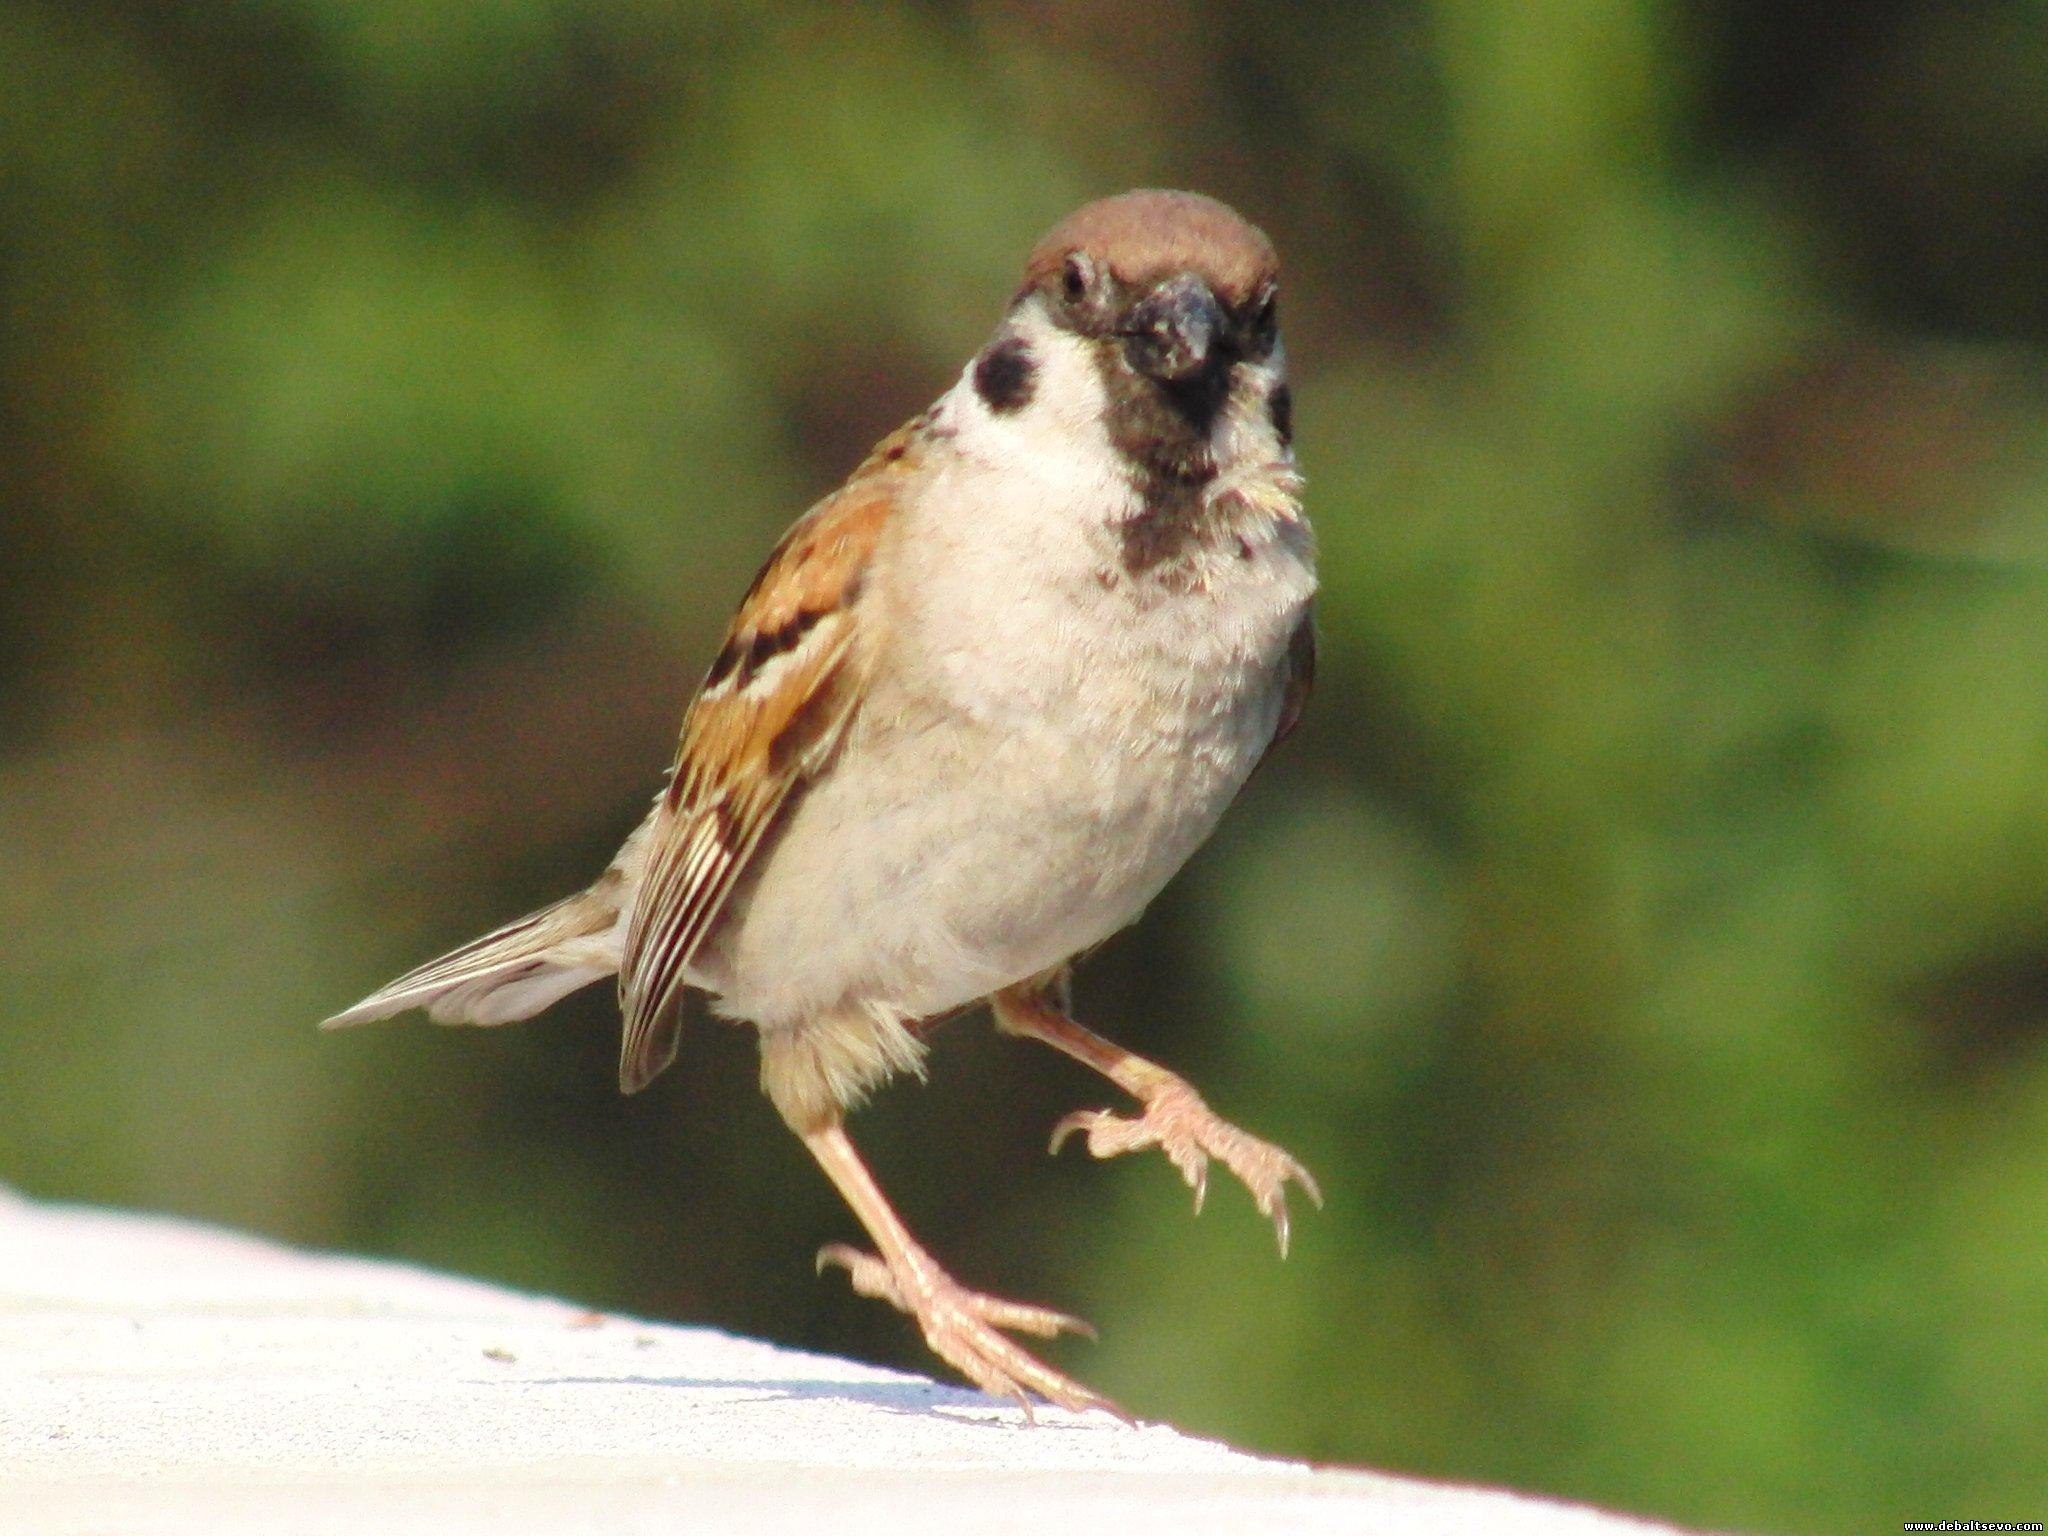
(981, 703)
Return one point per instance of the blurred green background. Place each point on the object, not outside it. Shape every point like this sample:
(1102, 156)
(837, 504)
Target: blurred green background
(1645, 939)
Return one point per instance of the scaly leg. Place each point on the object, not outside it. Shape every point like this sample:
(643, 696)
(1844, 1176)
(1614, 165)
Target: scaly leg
(960, 1325)
(1172, 1118)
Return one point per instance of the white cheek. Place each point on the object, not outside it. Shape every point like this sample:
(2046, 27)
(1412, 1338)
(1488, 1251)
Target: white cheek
(1056, 446)
(1059, 437)
(1246, 435)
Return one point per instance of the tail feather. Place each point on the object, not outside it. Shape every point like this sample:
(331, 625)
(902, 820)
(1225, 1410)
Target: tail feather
(510, 973)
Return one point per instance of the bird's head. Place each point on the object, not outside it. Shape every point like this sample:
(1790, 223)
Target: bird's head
(1162, 309)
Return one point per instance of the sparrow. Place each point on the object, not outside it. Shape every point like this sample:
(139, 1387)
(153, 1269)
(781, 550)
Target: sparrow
(979, 706)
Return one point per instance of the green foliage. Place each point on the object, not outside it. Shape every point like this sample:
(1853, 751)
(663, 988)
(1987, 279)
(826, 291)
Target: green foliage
(1645, 940)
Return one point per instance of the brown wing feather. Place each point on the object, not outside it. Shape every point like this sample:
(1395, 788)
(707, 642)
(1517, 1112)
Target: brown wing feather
(770, 711)
(1301, 677)
(1294, 691)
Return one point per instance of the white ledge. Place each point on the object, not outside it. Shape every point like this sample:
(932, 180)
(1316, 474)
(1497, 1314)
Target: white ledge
(164, 1376)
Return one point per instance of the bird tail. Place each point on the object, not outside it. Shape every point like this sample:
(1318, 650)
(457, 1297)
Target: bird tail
(512, 972)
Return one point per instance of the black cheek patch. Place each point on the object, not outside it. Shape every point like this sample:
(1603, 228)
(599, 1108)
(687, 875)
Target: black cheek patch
(1280, 406)
(1006, 376)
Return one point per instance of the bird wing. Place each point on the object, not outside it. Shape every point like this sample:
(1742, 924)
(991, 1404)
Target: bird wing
(1301, 677)
(774, 704)
(1295, 683)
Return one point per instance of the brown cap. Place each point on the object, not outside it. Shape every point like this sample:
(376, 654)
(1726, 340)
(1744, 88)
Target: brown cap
(1141, 237)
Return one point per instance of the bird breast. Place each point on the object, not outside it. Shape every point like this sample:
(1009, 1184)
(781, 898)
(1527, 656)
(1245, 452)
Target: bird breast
(1046, 738)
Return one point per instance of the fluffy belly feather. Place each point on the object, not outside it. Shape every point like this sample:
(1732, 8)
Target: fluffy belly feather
(1048, 744)
(1021, 844)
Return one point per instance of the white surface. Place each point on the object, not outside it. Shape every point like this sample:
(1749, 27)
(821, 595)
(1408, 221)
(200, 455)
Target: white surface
(159, 1376)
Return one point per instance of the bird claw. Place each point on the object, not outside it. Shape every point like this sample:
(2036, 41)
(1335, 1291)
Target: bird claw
(962, 1328)
(1175, 1120)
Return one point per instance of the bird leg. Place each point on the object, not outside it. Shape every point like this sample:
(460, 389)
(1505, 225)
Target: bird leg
(1172, 1116)
(961, 1326)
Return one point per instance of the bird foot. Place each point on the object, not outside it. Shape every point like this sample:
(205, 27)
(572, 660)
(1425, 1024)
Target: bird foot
(961, 1326)
(1175, 1120)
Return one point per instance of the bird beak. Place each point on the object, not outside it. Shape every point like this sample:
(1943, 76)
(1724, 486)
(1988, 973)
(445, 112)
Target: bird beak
(1173, 332)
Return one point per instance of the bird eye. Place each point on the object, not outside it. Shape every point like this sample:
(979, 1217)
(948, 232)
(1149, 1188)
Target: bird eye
(1074, 279)
(1261, 326)
(1266, 318)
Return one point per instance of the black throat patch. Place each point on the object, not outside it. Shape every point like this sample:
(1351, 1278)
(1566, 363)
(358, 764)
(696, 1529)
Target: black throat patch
(1161, 431)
